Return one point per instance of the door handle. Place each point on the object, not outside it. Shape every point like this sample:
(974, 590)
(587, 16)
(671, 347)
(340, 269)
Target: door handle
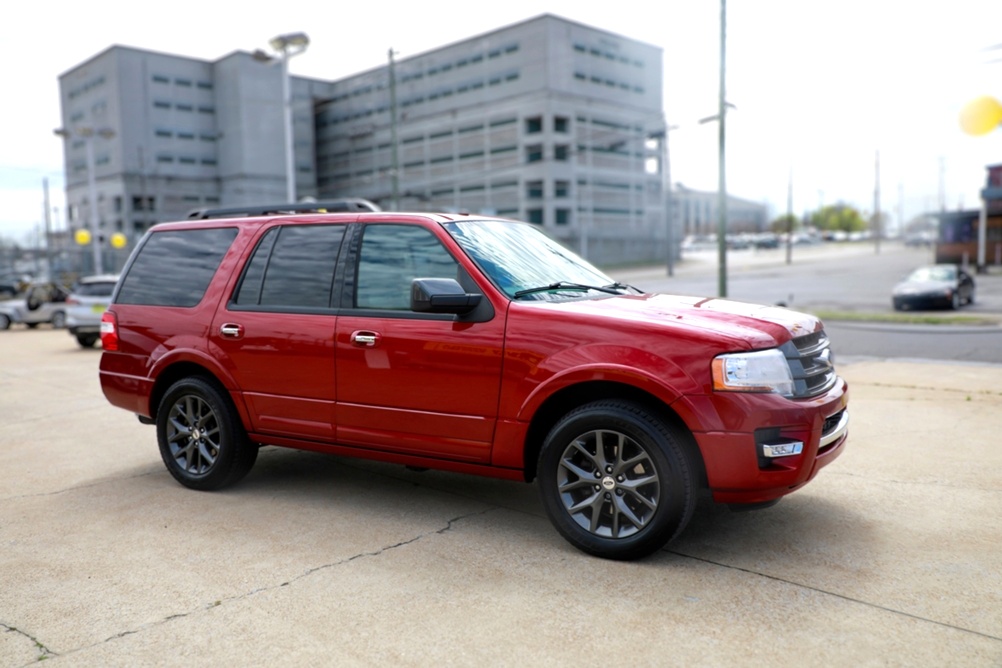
(365, 339)
(231, 330)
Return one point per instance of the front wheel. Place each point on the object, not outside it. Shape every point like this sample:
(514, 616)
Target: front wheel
(616, 481)
(202, 441)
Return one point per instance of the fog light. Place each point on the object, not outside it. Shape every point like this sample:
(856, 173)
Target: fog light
(788, 449)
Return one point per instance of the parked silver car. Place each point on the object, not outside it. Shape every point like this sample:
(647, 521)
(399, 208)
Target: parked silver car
(41, 303)
(87, 301)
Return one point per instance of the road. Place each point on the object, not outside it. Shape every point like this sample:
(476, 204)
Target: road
(889, 557)
(848, 278)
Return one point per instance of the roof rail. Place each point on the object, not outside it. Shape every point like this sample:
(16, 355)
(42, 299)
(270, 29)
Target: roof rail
(333, 206)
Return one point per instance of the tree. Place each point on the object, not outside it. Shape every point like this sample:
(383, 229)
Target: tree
(784, 224)
(838, 218)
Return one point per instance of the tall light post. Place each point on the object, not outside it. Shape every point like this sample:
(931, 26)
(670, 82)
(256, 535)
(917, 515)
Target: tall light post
(287, 46)
(88, 134)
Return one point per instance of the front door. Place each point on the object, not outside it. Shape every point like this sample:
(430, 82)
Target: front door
(408, 382)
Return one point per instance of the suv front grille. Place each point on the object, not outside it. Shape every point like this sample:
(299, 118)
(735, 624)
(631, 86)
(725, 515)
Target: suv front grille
(810, 360)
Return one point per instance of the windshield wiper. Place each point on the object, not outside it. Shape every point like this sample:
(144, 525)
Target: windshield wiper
(613, 289)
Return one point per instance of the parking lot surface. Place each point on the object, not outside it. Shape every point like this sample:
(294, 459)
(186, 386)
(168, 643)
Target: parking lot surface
(889, 558)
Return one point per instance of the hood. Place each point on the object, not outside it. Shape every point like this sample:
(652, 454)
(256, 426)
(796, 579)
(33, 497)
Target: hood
(755, 325)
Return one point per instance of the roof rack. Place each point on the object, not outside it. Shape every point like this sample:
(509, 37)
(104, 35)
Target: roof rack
(333, 206)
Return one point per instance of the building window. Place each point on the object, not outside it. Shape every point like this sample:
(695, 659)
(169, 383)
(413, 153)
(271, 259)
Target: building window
(561, 152)
(535, 216)
(533, 125)
(561, 189)
(561, 124)
(534, 189)
(534, 153)
(563, 216)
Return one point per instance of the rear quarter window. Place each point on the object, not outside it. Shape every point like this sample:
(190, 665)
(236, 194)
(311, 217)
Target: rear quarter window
(174, 268)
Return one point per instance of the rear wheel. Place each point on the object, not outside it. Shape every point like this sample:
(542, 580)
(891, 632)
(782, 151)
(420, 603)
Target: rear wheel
(4, 321)
(616, 481)
(202, 441)
(87, 340)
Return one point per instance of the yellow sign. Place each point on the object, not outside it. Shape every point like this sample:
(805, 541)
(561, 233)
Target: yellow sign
(82, 237)
(118, 240)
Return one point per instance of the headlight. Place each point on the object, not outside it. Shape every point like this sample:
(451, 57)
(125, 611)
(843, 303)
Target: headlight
(759, 371)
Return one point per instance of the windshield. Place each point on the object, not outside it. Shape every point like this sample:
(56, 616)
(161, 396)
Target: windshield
(937, 273)
(526, 264)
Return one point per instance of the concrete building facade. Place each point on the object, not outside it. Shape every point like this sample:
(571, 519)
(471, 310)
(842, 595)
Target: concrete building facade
(546, 120)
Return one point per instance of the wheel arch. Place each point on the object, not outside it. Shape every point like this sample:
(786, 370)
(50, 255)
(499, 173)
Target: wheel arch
(567, 399)
(188, 369)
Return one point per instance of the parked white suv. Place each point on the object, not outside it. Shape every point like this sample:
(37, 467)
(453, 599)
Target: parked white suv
(42, 303)
(87, 302)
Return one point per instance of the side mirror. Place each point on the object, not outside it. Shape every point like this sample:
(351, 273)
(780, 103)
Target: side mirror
(441, 295)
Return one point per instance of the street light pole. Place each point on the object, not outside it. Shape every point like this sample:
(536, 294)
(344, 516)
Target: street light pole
(95, 238)
(287, 46)
(87, 134)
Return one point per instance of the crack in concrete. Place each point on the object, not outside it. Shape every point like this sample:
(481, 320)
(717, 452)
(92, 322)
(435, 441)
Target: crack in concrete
(97, 483)
(916, 483)
(850, 599)
(44, 652)
(305, 574)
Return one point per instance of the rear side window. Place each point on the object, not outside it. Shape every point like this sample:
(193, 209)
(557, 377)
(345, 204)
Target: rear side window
(174, 268)
(292, 268)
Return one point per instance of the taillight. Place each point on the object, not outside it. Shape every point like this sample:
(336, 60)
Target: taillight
(70, 301)
(109, 331)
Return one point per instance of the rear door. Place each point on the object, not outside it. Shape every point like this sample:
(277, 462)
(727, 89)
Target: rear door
(276, 336)
(415, 383)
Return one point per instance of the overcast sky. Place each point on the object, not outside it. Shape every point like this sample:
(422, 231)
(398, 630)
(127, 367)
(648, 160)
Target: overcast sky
(820, 87)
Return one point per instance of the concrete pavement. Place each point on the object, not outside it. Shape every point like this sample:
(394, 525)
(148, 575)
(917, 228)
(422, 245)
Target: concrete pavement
(889, 558)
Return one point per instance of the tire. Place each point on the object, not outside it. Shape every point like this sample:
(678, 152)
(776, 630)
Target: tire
(4, 322)
(202, 442)
(955, 300)
(616, 481)
(58, 320)
(87, 340)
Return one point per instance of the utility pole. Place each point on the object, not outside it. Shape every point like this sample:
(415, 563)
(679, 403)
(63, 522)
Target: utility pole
(47, 217)
(722, 187)
(789, 219)
(394, 165)
(877, 227)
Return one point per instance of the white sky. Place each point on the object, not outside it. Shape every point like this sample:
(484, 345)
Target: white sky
(820, 86)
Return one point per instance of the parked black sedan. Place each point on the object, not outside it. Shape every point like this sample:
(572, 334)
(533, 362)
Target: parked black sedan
(934, 286)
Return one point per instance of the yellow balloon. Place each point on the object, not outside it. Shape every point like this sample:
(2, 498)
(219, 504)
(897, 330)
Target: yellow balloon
(82, 237)
(981, 116)
(118, 240)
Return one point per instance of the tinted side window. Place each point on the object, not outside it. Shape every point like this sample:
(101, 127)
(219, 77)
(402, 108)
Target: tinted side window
(292, 267)
(174, 268)
(94, 289)
(394, 255)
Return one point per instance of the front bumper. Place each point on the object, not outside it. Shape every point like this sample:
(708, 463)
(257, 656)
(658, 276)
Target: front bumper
(776, 447)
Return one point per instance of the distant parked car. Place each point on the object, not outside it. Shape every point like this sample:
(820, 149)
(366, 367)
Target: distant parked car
(87, 302)
(42, 303)
(934, 286)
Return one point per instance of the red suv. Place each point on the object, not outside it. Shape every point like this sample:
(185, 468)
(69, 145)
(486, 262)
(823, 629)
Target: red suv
(469, 344)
